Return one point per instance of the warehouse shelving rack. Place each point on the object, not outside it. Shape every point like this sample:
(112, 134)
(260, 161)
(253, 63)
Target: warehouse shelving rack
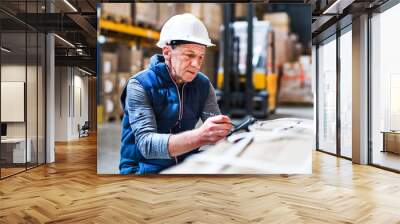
(128, 29)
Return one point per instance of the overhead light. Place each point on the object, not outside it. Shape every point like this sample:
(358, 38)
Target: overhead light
(101, 39)
(70, 5)
(5, 49)
(65, 41)
(80, 51)
(86, 72)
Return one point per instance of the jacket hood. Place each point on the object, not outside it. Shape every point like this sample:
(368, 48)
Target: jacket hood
(157, 63)
(158, 66)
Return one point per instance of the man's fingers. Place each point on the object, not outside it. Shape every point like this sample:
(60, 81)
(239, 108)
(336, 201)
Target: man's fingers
(223, 126)
(219, 133)
(220, 119)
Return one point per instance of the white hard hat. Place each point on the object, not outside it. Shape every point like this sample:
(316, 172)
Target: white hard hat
(184, 27)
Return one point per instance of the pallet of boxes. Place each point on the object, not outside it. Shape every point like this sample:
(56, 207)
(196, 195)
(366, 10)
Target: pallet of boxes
(109, 91)
(294, 69)
(118, 67)
(117, 12)
(296, 82)
(114, 82)
(135, 59)
(146, 15)
(281, 28)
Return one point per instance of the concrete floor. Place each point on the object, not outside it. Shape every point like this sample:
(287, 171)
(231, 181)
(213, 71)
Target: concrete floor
(109, 135)
(108, 143)
(306, 112)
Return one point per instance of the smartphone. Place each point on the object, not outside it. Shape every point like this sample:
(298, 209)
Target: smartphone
(243, 125)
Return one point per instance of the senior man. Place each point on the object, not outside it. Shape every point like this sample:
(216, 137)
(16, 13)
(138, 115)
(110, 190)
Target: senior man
(163, 103)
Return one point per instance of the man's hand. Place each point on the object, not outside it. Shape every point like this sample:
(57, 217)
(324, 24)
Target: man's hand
(214, 129)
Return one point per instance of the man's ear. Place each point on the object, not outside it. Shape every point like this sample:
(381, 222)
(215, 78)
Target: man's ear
(166, 51)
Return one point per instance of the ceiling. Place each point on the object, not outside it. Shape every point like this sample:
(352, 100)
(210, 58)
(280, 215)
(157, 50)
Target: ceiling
(76, 22)
(329, 13)
(77, 25)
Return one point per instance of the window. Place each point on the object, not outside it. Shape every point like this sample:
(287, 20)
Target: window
(346, 92)
(327, 96)
(22, 76)
(385, 88)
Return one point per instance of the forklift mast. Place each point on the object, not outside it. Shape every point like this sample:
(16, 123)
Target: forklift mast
(236, 91)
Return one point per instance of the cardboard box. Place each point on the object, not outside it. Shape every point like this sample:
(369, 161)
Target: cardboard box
(122, 80)
(109, 83)
(120, 11)
(291, 47)
(281, 25)
(136, 60)
(166, 11)
(180, 8)
(146, 14)
(124, 58)
(296, 81)
(281, 55)
(212, 19)
(113, 111)
(194, 8)
(109, 62)
(280, 21)
(109, 105)
(297, 50)
(283, 45)
(241, 10)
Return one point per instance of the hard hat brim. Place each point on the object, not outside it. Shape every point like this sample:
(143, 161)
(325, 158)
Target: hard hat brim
(162, 44)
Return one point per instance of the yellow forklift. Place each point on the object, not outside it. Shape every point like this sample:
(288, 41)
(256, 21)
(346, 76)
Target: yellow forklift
(235, 94)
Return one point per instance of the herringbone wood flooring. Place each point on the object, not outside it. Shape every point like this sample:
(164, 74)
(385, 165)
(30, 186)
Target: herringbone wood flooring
(70, 191)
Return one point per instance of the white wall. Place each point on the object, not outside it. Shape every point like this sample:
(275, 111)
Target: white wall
(61, 103)
(71, 93)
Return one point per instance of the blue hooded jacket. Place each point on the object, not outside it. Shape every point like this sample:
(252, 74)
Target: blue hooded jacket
(173, 113)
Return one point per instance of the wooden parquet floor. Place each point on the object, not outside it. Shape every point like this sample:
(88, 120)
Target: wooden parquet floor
(10, 171)
(70, 191)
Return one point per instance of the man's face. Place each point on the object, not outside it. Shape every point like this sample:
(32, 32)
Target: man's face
(185, 61)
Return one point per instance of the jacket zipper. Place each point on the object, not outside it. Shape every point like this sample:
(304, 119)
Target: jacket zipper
(180, 104)
(181, 107)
